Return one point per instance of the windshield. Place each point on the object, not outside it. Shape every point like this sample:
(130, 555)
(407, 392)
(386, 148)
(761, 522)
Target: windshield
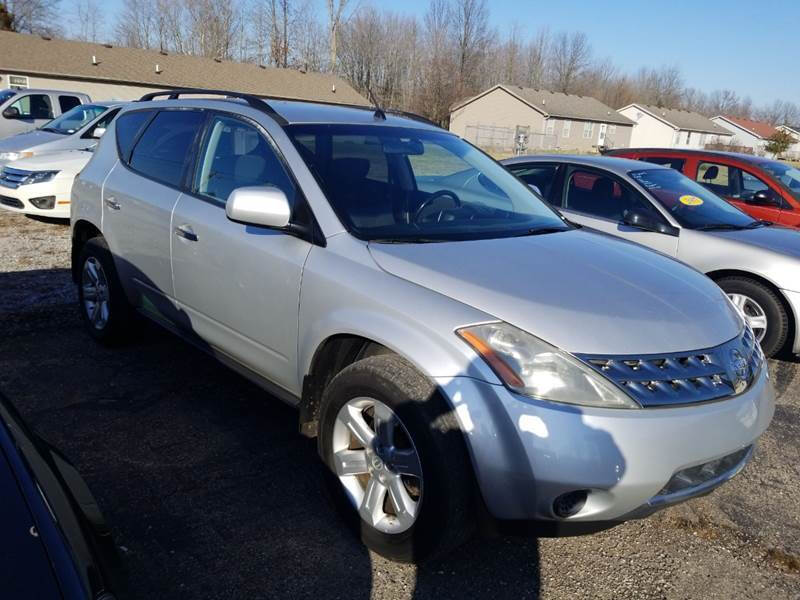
(6, 94)
(394, 184)
(72, 120)
(786, 174)
(691, 204)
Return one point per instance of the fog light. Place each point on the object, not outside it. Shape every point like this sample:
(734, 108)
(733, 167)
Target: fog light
(570, 503)
(696, 476)
(44, 202)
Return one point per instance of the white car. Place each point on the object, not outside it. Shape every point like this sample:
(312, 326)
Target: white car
(41, 185)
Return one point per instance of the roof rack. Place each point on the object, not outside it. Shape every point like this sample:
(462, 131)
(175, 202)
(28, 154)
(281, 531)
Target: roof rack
(253, 101)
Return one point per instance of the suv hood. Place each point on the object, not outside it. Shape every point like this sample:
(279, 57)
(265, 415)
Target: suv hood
(583, 292)
(26, 141)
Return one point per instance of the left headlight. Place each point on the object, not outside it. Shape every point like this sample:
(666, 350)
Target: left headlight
(12, 156)
(533, 367)
(40, 177)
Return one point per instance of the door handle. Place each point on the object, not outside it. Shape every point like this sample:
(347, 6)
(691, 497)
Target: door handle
(112, 203)
(186, 232)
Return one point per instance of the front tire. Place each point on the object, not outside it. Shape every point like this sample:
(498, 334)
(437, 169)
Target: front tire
(762, 309)
(397, 466)
(105, 310)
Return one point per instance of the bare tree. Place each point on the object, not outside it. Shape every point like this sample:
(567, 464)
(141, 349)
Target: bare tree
(135, 27)
(537, 60)
(470, 23)
(571, 55)
(335, 13)
(35, 16)
(87, 18)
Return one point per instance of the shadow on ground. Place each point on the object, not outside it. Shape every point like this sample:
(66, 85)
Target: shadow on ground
(210, 490)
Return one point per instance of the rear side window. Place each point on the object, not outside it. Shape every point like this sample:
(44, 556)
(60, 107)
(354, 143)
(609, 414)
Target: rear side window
(68, 102)
(163, 150)
(128, 126)
(541, 176)
(668, 161)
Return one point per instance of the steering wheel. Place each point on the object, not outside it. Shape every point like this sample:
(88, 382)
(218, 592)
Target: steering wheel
(433, 198)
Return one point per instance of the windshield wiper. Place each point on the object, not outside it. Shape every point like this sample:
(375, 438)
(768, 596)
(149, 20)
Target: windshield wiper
(409, 240)
(543, 230)
(759, 223)
(720, 227)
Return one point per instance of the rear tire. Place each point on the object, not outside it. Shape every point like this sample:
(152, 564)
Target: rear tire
(759, 302)
(105, 310)
(443, 495)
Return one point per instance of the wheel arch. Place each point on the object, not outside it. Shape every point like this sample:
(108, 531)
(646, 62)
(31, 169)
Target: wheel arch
(82, 232)
(722, 273)
(331, 356)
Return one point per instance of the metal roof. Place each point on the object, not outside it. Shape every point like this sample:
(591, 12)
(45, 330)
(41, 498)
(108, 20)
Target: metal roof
(620, 166)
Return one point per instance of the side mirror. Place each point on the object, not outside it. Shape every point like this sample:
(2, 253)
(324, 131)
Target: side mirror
(645, 222)
(266, 206)
(12, 112)
(98, 132)
(763, 198)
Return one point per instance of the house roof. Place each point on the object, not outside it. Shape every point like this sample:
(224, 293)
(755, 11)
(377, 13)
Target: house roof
(793, 129)
(681, 119)
(34, 55)
(556, 104)
(759, 129)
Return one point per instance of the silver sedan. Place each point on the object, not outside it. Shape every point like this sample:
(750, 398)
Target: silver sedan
(757, 263)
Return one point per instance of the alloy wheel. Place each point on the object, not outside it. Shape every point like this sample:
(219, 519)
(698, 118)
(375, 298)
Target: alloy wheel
(753, 314)
(95, 293)
(377, 463)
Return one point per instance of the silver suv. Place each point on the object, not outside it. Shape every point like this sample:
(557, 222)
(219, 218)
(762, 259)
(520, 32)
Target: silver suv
(457, 348)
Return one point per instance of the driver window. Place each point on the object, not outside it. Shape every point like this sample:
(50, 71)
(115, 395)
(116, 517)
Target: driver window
(34, 106)
(600, 195)
(236, 155)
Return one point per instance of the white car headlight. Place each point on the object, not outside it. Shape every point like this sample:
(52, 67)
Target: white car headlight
(40, 177)
(532, 367)
(11, 156)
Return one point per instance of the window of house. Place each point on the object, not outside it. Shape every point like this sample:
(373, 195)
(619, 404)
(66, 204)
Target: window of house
(17, 82)
(612, 130)
(163, 148)
(550, 127)
(566, 129)
(688, 138)
(588, 128)
(677, 139)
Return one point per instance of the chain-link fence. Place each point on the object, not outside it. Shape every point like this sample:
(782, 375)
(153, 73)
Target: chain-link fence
(516, 140)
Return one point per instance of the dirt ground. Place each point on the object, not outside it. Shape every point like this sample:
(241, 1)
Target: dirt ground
(212, 493)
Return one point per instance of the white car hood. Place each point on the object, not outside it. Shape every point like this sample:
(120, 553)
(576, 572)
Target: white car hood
(25, 141)
(581, 291)
(69, 162)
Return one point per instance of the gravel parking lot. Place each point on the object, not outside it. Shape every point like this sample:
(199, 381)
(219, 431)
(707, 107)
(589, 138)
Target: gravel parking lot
(212, 493)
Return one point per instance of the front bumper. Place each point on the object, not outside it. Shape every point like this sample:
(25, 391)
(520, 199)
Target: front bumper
(527, 453)
(19, 199)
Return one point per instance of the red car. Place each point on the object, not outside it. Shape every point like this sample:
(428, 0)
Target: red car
(763, 188)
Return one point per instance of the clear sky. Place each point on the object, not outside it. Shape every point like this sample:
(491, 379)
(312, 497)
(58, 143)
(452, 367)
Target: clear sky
(750, 47)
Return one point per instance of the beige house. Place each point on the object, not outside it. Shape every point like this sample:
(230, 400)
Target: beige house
(106, 72)
(661, 127)
(508, 118)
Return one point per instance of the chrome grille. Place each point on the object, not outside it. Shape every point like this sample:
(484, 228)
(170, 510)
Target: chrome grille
(684, 377)
(13, 178)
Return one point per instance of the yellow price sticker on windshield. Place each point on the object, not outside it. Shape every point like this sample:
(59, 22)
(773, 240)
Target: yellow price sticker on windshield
(690, 200)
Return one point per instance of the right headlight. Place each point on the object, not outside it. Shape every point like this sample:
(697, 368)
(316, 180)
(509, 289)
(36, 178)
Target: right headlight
(12, 156)
(532, 367)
